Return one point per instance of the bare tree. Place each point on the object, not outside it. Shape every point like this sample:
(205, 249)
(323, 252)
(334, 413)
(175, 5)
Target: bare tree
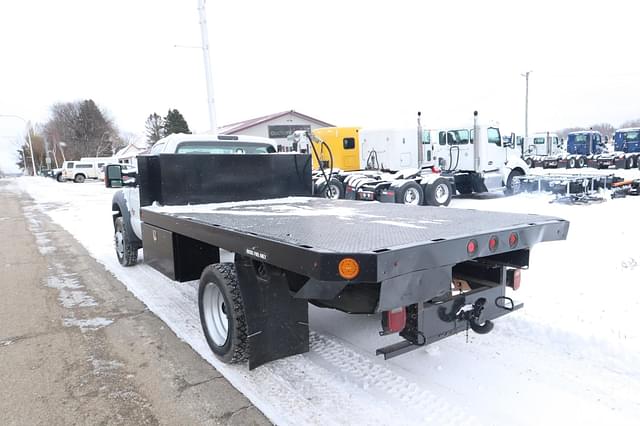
(630, 123)
(154, 128)
(84, 128)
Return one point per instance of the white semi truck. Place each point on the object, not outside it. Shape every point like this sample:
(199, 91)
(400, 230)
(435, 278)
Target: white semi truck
(468, 163)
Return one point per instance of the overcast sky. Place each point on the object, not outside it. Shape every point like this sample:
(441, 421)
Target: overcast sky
(347, 62)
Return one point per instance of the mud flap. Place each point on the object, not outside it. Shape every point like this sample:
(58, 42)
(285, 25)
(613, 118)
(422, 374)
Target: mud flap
(277, 324)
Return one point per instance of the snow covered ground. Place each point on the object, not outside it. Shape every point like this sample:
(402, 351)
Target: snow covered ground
(572, 355)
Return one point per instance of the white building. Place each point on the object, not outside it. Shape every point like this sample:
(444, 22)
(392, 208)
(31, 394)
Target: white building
(128, 154)
(274, 126)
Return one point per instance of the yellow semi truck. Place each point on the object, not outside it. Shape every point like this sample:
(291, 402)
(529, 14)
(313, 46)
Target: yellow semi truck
(344, 144)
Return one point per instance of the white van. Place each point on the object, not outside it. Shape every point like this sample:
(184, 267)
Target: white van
(79, 171)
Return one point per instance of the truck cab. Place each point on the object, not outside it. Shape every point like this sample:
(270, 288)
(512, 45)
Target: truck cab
(540, 145)
(126, 202)
(477, 164)
(626, 144)
(584, 143)
(583, 147)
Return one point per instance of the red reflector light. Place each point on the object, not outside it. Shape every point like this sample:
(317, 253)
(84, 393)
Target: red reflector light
(472, 246)
(435, 169)
(516, 279)
(395, 320)
(493, 243)
(513, 240)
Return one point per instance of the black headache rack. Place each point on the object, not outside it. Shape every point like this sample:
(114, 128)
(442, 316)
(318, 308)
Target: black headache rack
(288, 253)
(179, 179)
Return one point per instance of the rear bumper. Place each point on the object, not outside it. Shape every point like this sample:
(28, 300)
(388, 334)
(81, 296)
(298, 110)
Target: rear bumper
(436, 321)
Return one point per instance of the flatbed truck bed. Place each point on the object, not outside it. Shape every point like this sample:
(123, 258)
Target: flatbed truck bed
(430, 271)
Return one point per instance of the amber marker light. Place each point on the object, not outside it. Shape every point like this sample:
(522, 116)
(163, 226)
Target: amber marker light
(348, 268)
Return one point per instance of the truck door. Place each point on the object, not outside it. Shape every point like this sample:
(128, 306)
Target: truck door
(455, 150)
(427, 148)
(350, 153)
(494, 150)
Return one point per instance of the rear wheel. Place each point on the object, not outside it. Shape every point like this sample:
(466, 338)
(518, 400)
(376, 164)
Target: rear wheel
(438, 193)
(581, 162)
(529, 162)
(334, 190)
(79, 179)
(222, 312)
(409, 193)
(127, 253)
(513, 184)
(572, 163)
(629, 163)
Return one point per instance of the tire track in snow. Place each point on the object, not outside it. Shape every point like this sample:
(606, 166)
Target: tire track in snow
(375, 378)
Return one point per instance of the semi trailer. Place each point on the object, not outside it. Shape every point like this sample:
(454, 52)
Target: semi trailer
(428, 273)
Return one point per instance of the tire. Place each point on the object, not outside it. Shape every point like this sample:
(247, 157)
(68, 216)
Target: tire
(628, 164)
(333, 191)
(409, 193)
(438, 193)
(59, 177)
(581, 162)
(571, 164)
(79, 179)
(529, 162)
(222, 313)
(510, 189)
(127, 253)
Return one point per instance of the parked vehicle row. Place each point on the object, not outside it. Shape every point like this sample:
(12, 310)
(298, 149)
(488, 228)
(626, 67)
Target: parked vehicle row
(583, 149)
(417, 165)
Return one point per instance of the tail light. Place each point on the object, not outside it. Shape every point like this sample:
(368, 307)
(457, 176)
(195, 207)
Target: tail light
(493, 243)
(513, 240)
(514, 278)
(472, 247)
(394, 321)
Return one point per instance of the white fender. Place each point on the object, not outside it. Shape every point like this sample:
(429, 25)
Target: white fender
(513, 162)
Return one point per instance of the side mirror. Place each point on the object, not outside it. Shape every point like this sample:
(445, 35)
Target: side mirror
(113, 176)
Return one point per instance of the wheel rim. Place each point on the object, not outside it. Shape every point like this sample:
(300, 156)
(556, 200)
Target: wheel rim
(215, 314)
(442, 193)
(332, 192)
(411, 196)
(515, 184)
(119, 243)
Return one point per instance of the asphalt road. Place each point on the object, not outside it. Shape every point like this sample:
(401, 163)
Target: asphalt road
(77, 348)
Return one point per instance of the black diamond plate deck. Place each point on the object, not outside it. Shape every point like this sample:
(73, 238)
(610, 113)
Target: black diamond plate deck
(344, 226)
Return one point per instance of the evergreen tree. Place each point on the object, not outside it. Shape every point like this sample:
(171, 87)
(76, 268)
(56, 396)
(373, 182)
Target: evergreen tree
(154, 127)
(174, 122)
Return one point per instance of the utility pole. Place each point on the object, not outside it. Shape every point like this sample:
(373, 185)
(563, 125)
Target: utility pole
(526, 104)
(207, 65)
